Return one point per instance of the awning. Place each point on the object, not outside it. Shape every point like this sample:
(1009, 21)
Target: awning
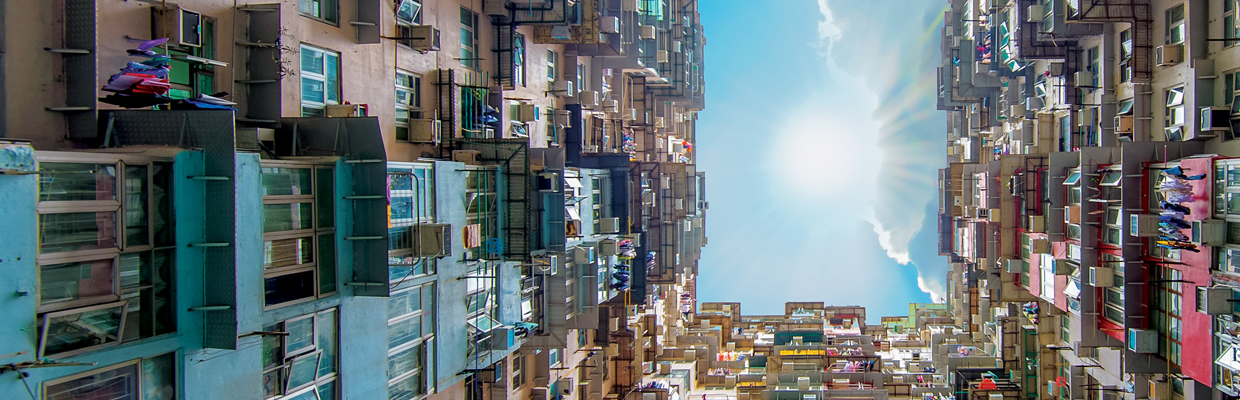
(572, 182)
(573, 215)
(1073, 290)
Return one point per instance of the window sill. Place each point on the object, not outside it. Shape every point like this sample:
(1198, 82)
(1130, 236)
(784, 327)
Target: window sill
(325, 21)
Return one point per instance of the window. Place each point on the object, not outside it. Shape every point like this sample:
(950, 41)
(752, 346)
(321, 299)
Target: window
(188, 72)
(1174, 113)
(518, 60)
(553, 357)
(580, 85)
(1113, 297)
(1125, 55)
(301, 362)
(106, 251)
(408, 102)
(518, 371)
(322, 10)
(299, 240)
(1231, 87)
(152, 378)
(411, 324)
(596, 203)
(1168, 302)
(481, 208)
(1065, 328)
(411, 201)
(551, 60)
(1175, 25)
(1094, 58)
(409, 12)
(469, 42)
(320, 80)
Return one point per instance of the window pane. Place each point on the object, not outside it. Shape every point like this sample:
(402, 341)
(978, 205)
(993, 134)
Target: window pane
(273, 383)
(302, 370)
(286, 217)
(404, 332)
(286, 252)
(404, 303)
(327, 263)
(327, 391)
(285, 181)
(161, 306)
(161, 197)
(327, 342)
(332, 72)
(120, 383)
(286, 288)
(159, 380)
(76, 231)
(326, 198)
(300, 335)
(77, 280)
(327, 10)
(312, 90)
(273, 348)
(76, 182)
(82, 330)
(311, 60)
(407, 389)
(137, 231)
(404, 361)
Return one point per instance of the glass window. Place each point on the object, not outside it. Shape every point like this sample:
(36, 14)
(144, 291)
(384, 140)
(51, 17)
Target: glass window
(1175, 25)
(469, 42)
(76, 182)
(408, 102)
(1073, 178)
(518, 60)
(117, 382)
(320, 80)
(551, 60)
(299, 240)
(77, 231)
(304, 361)
(69, 332)
(324, 10)
(409, 12)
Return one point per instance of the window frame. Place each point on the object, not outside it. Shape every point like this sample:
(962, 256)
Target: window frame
(412, 107)
(46, 318)
(417, 14)
(321, 6)
(551, 65)
(324, 78)
(469, 48)
(518, 59)
(315, 350)
(1125, 55)
(1174, 24)
(315, 233)
(1174, 110)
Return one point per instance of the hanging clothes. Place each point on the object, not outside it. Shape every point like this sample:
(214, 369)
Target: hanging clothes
(1170, 219)
(1169, 206)
(1178, 172)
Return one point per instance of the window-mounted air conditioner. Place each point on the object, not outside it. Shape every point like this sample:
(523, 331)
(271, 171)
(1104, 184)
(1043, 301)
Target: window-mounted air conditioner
(1085, 117)
(525, 112)
(425, 130)
(648, 32)
(1123, 123)
(563, 88)
(588, 99)
(434, 240)
(420, 37)
(676, 46)
(1101, 277)
(581, 255)
(1037, 224)
(1061, 266)
(1209, 232)
(468, 157)
(1168, 55)
(549, 182)
(1084, 77)
(661, 56)
(609, 24)
(1214, 300)
(611, 106)
(1015, 266)
(1084, 352)
(608, 247)
(503, 338)
(609, 225)
(1142, 341)
(1143, 225)
(1016, 111)
(1057, 68)
(1215, 118)
(180, 26)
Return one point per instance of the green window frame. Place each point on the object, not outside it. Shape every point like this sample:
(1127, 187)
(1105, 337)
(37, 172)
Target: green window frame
(326, 11)
(320, 80)
(469, 38)
(302, 361)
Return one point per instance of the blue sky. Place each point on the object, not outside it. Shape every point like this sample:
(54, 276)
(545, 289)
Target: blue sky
(820, 141)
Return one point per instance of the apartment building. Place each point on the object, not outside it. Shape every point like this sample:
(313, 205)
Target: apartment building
(331, 199)
(1084, 205)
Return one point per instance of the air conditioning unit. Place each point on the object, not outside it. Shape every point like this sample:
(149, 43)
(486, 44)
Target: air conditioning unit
(503, 338)
(611, 106)
(1214, 300)
(425, 130)
(581, 255)
(1016, 111)
(1035, 13)
(1015, 266)
(1101, 277)
(608, 247)
(549, 182)
(660, 122)
(588, 99)
(1084, 352)
(609, 225)
(1209, 232)
(1143, 225)
(434, 240)
(1215, 118)
(468, 157)
(1056, 68)
(609, 24)
(565, 385)
(345, 110)
(1167, 55)
(1083, 77)
(1142, 341)
(180, 26)
(1085, 117)
(525, 112)
(420, 37)
(1037, 224)
(648, 31)
(1123, 123)
(563, 88)
(661, 56)
(676, 46)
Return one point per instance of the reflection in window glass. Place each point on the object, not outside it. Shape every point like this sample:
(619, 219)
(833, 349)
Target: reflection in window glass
(287, 252)
(286, 217)
(277, 181)
(76, 280)
(118, 383)
(76, 231)
(76, 182)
